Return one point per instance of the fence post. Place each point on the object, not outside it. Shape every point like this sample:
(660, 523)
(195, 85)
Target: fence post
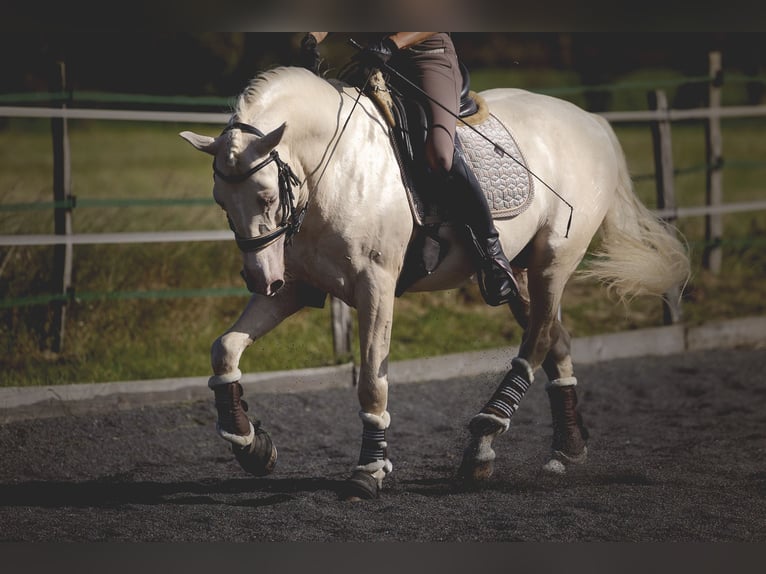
(666, 194)
(714, 150)
(342, 329)
(62, 217)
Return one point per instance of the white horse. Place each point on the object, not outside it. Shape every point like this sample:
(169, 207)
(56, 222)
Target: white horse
(300, 145)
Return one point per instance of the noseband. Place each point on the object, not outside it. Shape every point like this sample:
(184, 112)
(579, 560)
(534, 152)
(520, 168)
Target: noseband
(292, 218)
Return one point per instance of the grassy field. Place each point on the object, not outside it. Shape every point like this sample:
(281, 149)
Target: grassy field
(154, 338)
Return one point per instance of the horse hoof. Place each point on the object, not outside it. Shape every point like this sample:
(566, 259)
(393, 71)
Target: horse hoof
(555, 466)
(259, 457)
(360, 486)
(560, 460)
(472, 472)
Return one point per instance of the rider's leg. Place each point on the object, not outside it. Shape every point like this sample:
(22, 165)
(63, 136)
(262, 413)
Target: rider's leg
(440, 78)
(497, 283)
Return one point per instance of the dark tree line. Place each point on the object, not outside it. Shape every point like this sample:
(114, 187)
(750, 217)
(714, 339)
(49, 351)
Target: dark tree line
(213, 63)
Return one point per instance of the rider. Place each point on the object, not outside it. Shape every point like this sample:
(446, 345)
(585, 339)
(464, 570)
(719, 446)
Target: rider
(430, 60)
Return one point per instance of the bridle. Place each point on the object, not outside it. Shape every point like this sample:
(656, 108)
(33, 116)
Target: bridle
(292, 218)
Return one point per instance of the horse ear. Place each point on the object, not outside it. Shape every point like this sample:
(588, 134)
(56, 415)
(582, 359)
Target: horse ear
(268, 142)
(202, 143)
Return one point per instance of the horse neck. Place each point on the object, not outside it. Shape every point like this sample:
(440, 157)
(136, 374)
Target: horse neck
(320, 134)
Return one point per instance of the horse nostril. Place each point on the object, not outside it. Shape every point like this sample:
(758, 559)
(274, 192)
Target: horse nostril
(276, 286)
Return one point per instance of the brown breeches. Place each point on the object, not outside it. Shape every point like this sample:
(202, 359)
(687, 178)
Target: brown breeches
(433, 66)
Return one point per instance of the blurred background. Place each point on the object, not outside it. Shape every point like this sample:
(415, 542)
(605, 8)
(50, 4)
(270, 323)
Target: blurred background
(220, 64)
(137, 311)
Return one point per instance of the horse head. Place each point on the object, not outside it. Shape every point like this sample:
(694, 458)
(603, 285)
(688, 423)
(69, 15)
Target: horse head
(254, 187)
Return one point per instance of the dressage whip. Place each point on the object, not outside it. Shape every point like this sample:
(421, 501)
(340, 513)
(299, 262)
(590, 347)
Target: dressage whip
(497, 147)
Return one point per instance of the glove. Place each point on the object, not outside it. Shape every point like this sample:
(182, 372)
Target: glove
(310, 57)
(379, 53)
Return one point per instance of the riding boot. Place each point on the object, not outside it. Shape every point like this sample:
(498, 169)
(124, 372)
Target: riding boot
(496, 281)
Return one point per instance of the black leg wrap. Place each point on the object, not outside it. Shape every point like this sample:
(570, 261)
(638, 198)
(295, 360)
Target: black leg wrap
(508, 395)
(374, 446)
(373, 466)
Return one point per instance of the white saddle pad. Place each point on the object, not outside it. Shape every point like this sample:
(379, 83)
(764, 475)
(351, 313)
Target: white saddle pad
(505, 180)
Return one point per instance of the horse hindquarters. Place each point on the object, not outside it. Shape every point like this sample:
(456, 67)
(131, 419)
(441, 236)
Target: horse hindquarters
(552, 255)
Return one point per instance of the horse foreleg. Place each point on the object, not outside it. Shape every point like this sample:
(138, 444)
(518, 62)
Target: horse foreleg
(569, 433)
(375, 306)
(251, 444)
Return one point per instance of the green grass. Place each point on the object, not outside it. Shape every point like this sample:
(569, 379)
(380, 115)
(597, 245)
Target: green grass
(135, 339)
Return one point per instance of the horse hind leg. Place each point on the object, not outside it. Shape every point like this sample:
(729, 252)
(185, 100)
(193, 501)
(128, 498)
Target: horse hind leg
(494, 419)
(546, 278)
(568, 445)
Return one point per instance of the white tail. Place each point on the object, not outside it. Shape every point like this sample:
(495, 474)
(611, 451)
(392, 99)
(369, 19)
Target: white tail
(639, 254)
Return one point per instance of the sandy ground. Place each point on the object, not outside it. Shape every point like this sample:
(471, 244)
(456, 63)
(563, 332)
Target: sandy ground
(676, 454)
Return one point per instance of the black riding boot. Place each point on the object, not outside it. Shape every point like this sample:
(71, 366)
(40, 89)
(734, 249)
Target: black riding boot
(496, 280)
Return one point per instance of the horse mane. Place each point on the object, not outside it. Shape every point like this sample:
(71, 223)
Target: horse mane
(266, 88)
(272, 85)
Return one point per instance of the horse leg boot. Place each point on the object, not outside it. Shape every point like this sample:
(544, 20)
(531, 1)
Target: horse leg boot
(569, 434)
(493, 420)
(251, 445)
(496, 281)
(366, 481)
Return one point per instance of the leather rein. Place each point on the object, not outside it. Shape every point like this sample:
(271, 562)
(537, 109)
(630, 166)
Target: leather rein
(292, 218)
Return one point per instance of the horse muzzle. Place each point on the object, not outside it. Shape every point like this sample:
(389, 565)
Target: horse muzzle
(269, 289)
(264, 272)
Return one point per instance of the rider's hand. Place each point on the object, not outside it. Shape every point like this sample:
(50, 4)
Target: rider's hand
(377, 54)
(310, 57)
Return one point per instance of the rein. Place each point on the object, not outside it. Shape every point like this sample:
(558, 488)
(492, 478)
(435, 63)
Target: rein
(292, 218)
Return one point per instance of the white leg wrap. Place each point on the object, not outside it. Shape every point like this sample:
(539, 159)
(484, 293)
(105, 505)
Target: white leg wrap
(563, 382)
(381, 422)
(217, 380)
(235, 438)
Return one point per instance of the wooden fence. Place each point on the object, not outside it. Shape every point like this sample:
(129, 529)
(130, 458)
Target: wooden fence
(659, 117)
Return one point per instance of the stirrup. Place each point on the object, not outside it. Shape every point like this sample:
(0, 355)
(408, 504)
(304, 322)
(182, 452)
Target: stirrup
(492, 268)
(494, 297)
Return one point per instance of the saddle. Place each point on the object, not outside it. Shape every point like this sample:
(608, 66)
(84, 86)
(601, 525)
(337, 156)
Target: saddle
(505, 181)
